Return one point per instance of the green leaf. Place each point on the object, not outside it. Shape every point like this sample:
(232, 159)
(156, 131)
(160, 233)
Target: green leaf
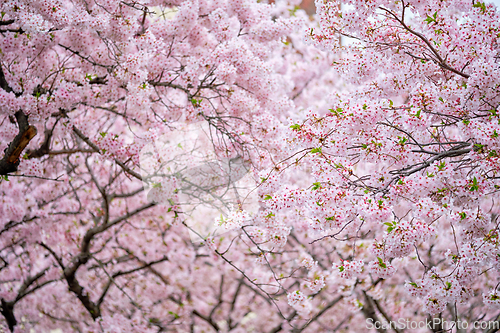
(292, 11)
(267, 197)
(474, 186)
(391, 227)
(337, 111)
(174, 314)
(478, 147)
(431, 19)
(381, 263)
(316, 186)
(341, 268)
(481, 5)
(196, 102)
(316, 150)
(391, 103)
(295, 127)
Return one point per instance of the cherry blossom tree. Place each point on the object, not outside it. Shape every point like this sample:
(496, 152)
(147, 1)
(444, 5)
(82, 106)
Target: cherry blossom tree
(402, 170)
(372, 167)
(86, 85)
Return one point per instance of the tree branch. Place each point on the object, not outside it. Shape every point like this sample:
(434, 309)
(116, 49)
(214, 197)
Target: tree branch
(97, 150)
(10, 161)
